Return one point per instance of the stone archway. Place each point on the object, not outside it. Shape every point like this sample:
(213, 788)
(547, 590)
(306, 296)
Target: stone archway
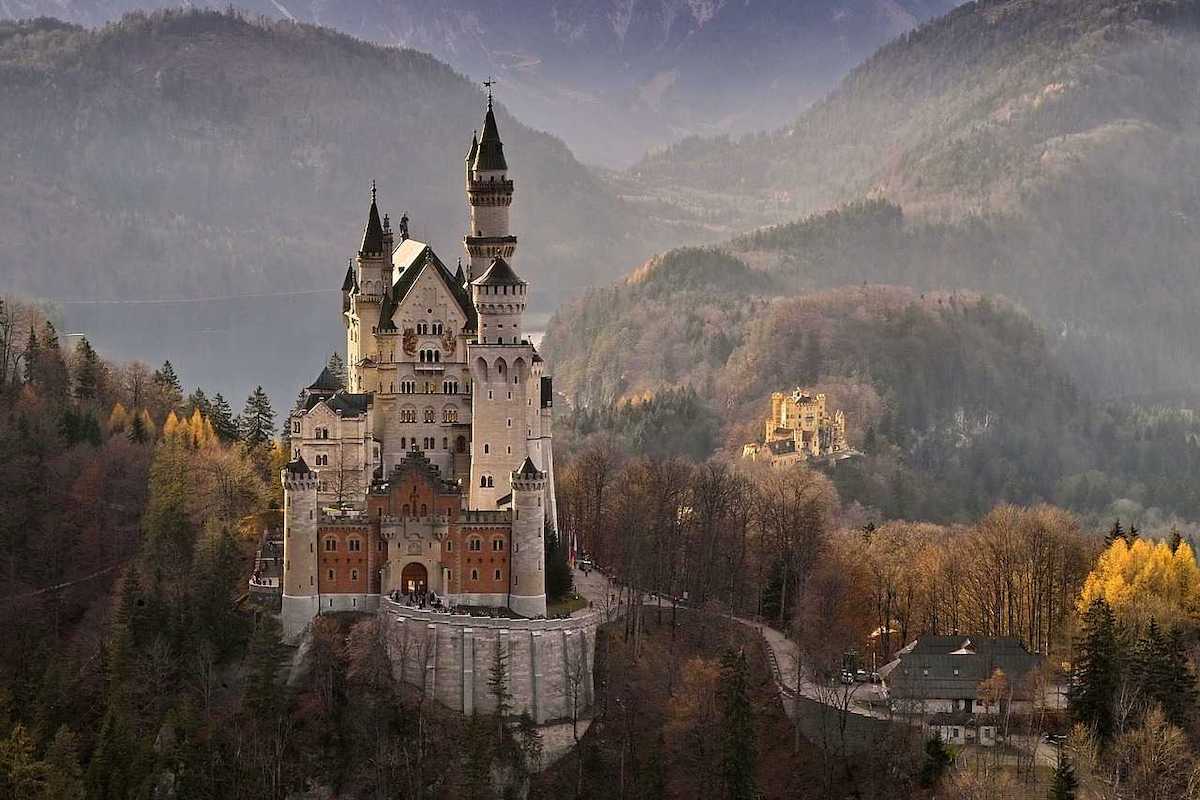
(414, 578)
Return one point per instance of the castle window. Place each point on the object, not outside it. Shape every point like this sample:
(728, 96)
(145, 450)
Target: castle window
(515, 342)
(449, 546)
(474, 574)
(403, 442)
(490, 483)
(331, 576)
(408, 387)
(516, 580)
(475, 545)
(445, 443)
(430, 416)
(382, 546)
(509, 423)
(486, 448)
(296, 426)
(424, 510)
(330, 545)
(497, 545)
(508, 450)
(354, 575)
(516, 378)
(437, 328)
(449, 414)
(483, 481)
(497, 574)
(510, 395)
(354, 545)
(489, 394)
(437, 356)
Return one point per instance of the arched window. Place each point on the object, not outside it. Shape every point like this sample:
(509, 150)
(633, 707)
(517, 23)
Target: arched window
(497, 574)
(460, 444)
(475, 545)
(437, 356)
(483, 481)
(354, 545)
(497, 545)
(430, 415)
(330, 545)
(490, 485)
(474, 574)
(408, 414)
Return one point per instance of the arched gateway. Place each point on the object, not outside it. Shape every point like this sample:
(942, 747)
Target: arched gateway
(414, 578)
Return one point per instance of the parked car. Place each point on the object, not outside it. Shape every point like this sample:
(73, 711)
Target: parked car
(847, 677)
(861, 676)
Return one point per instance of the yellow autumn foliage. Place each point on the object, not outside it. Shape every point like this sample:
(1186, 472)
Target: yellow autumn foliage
(1145, 580)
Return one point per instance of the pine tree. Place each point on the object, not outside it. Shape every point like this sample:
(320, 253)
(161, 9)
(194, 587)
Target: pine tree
(1114, 533)
(137, 429)
(52, 376)
(197, 401)
(64, 776)
(87, 370)
(1097, 669)
(937, 761)
(222, 419)
(560, 582)
(167, 391)
(337, 367)
(1176, 539)
(1179, 696)
(264, 696)
(258, 419)
(498, 686)
(1132, 535)
(1065, 783)
(33, 357)
(737, 728)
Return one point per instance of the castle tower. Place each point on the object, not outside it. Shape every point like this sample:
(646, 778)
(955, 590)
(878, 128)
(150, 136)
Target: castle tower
(301, 601)
(373, 278)
(490, 194)
(527, 594)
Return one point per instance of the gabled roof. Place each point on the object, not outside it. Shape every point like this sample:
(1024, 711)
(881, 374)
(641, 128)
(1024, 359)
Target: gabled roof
(498, 274)
(952, 667)
(350, 282)
(474, 148)
(409, 260)
(325, 382)
(416, 462)
(349, 404)
(490, 155)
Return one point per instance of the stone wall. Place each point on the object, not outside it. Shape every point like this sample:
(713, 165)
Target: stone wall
(549, 663)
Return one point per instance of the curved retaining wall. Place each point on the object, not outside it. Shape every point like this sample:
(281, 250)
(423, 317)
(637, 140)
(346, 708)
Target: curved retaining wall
(548, 662)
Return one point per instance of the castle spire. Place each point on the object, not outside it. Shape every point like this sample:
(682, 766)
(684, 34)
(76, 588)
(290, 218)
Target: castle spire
(490, 155)
(372, 242)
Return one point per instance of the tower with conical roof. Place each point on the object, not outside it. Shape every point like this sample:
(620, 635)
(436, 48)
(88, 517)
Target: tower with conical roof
(364, 290)
(489, 195)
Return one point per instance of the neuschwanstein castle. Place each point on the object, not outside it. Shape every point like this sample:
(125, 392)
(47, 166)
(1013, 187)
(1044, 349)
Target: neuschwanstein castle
(431, 472)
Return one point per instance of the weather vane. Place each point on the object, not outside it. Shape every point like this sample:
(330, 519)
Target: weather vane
(488, 84)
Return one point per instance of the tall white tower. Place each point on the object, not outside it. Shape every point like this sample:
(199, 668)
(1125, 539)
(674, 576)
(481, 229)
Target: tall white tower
(490, 194)
(301, 599)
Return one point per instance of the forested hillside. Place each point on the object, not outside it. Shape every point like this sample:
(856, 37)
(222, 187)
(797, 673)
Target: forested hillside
(188, 154)
(957, 400)
(1043, 150)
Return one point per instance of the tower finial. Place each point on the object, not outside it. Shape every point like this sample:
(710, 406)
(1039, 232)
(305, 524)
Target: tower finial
(372, 190)
(489, 83)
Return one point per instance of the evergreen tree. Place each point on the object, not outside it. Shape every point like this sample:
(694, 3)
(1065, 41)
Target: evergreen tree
(52, 377)
(337, 367)
(1132, 535)
(64, 776)
(737, 728)
(33, 357)
(1176, 539)
(479, 750)
(197, 401)
(1179, 696)
(258, 419)
(1114, 533)
(222, 419)
(87, 370)
(560, 582)
(264, 696)
(498, 685)
(530, 738)
(137, 429)
(937, 761)
(1097, 670)
(168, 385)
(1065, 783)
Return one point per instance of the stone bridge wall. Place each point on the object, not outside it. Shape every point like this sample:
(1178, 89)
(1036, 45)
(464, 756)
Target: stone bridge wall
(548, 662)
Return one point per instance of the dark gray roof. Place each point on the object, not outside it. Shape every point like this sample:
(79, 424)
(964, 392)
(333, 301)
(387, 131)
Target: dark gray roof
(490, 155)
(529, 470)
(498, 274)
(474, 148)
(325, 382)
(952, 667)
(297, 467)
(373, 233)
(350, 405)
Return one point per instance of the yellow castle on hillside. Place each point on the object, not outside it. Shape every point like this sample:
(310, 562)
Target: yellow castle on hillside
(800, 427)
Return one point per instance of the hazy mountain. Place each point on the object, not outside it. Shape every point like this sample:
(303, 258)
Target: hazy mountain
(612, 77)
(192, 155)
(1046, 151)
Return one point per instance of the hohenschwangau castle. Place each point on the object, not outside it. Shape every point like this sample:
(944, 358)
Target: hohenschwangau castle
(431, 472)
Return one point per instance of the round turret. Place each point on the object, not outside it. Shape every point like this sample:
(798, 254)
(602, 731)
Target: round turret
(300, 516)
(527, 596)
